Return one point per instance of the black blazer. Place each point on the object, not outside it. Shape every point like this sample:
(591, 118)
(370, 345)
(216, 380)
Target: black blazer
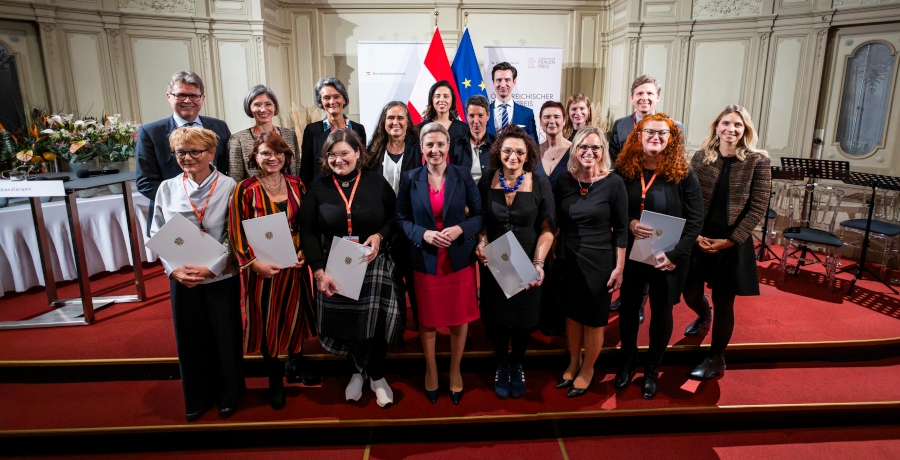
(314, 137)
(415, 216)
(153, 156)
(457, 130)
(685, 200)
(461, 154)
(412, 157)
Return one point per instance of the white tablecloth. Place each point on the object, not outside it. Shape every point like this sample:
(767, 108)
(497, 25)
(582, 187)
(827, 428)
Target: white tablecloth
(103, 226)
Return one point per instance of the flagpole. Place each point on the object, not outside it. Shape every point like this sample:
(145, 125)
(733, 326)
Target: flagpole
(436, 14)
(466, 17)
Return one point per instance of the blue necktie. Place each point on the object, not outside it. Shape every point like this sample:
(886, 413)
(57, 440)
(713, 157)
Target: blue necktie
(504, 116)
(190, 123)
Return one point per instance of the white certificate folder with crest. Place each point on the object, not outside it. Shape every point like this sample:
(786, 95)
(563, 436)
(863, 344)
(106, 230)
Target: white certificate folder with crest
(181, 243)
(509, 264)
(346, 265)
(270, 238)
(666, 234)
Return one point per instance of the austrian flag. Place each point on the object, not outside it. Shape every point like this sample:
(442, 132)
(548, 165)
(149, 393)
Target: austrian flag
(435, 68)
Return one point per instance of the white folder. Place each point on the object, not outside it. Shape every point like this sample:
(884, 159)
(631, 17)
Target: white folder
(665, 235)
(181, 243)
(346, 265)
(509, 264)
(270, 238)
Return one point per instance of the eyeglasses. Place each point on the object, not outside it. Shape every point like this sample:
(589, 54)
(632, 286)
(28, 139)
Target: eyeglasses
(663, 133)
(183, 96)
(259, 105)
(193, 153)
(278, 155)
(583, 148)
(509, 151)
(343, 155)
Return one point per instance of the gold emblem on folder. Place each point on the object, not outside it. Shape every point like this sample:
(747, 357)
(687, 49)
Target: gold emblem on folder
(269, 235)
(347, 260)
(504, 257)
(179, 241)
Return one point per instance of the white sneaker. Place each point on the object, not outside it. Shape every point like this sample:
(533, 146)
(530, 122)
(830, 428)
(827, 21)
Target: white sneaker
(383, 393)
(354, 388)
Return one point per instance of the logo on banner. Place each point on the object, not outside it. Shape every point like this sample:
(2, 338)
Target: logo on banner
(545, 63)
(531, 63)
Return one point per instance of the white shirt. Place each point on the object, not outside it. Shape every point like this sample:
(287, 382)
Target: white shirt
(171, 199)
(391, 171)
(498, 113)
(476, 162)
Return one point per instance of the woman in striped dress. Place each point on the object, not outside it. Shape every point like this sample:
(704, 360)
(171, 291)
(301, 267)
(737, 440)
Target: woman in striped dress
(278, 304)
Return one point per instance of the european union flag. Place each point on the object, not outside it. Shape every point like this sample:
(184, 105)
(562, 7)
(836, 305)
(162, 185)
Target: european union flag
(466, 72)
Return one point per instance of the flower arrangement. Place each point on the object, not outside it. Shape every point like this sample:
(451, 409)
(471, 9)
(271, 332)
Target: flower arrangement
(26, 150)
(86, 139)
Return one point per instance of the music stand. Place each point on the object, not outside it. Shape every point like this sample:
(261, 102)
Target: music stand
(875, 181)
(815, 169)
(779, 173)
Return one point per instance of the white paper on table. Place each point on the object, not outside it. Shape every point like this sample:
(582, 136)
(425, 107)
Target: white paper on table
(509, 264)
(666, 234)
(346, 265)
(270, 238)
(181, 243)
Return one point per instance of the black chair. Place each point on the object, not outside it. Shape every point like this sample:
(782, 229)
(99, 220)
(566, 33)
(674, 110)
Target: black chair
(812, 214)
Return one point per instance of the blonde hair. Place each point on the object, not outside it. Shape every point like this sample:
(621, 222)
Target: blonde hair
(574, 165)
(746, 144)
(194, 135)
(578, 97)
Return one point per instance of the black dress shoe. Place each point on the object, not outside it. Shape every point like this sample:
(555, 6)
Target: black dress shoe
(298, 369)
(701, 323)
(615, 304)
(711, 367)
(651, 378)
(456, 396)
(625, 374)
(193, 416)
(575, 392)
(432, 395)
(225, 412)
(563, 383)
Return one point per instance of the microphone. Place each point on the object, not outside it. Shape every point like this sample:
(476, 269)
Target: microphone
(84, 173)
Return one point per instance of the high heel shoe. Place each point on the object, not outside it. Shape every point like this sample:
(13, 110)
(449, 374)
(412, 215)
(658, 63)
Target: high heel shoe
(432, 395)
(456, 396)
(299, 369)
(575, 392)
(711, 367)
(651, 383)
(563, 383)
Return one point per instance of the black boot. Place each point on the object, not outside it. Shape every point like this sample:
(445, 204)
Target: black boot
(626, 372)
(299, 369)
(711, 367)
(651, 380)
(702, 322)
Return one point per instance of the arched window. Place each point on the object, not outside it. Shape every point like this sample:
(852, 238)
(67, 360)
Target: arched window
(865, 99)
(12, 110)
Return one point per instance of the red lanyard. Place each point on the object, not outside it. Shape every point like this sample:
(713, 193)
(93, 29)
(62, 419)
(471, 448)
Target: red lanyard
(646, 187)
(202, 210)
(348, 203)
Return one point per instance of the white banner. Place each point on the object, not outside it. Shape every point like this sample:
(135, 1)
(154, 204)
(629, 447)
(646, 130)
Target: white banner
(387, 72)
(539, 75)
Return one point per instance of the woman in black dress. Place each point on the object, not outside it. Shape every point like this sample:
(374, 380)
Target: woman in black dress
(514, 199)
(592, 206)
(658, 179)
(356, 205)
(735, 178)
(332, 97)
(442, 109)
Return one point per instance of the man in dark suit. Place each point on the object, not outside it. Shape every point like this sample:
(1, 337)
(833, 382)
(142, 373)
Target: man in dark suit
(645, 92)
(153, 156)
(504, 111)
(477, 143)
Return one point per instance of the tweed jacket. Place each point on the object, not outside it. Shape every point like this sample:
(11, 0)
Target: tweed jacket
(749, 185)
(240, 146)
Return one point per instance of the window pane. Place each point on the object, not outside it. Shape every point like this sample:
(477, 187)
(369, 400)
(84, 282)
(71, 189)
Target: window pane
(864, 101)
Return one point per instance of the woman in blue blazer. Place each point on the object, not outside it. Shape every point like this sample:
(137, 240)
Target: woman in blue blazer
(439, 210)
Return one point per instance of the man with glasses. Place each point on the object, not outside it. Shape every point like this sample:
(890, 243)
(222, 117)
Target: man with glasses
(645, 92)
(153, 157)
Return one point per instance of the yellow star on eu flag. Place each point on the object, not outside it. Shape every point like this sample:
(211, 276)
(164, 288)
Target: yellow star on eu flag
(482, 85)
(467, 83)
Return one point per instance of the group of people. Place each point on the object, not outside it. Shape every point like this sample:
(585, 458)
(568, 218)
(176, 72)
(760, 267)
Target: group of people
(426, 200)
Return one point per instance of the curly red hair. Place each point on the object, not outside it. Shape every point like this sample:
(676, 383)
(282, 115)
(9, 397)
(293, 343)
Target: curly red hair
(672, 166)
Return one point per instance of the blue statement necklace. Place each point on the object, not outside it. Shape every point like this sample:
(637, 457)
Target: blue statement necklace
(511, 189)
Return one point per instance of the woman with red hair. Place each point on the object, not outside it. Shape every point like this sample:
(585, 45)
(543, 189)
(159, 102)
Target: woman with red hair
(658, 179)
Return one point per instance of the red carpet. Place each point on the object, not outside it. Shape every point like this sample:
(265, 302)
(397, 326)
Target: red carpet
(159, 404)
(798, 311)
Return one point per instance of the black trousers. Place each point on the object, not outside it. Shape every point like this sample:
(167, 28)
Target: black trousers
(632, 293)
(207, 321)
(723, 320)
(509, 343)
